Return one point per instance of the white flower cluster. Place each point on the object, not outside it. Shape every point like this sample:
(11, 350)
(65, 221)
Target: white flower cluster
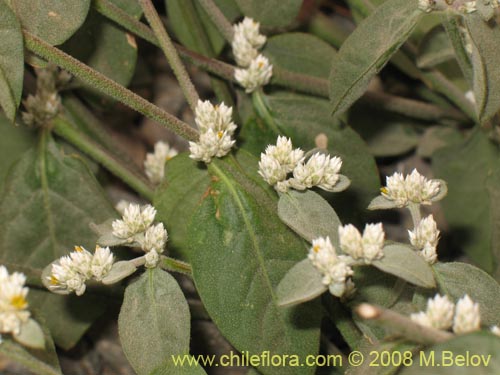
(136, 225)
(13, 304)
(442, 314)
(154, 165)
(216, 131)
(367, 247)
(425, 238)
(460, 6)
(281, 159)
(255, 69)
(412, 188)
(333, 267)
(71, 272)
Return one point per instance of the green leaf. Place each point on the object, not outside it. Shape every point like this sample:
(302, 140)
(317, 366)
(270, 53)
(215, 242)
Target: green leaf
(104, 46)
(300, 53)
(178, 197)
(51, 20)
(237, 240)
(481, 345)
(302, 118)
(485, 62)
(14, 142)
(47, 205)
(31, 335)
(154, 321)
(309, 215)
(368, 49)
(170, 369)
(457, 279)
(437, 137)
(467, 207)
(301, 284)
(11, 61)
(435, 48)
(272, 13)
(404, 262)
(119, 271)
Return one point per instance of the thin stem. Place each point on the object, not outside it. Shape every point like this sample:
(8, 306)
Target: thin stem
(68, 132)
(261, 108)
(170, 52)
(108, 86)
(175, 265)
(402, 325)
(414, 209)
(218, 18)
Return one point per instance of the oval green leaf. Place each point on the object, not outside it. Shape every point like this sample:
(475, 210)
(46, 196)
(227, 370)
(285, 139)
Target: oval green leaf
(272, 13)
(403, 262)
(154, 322)
(31, 335)
(11, 61)
(366, 51)
(54, 21)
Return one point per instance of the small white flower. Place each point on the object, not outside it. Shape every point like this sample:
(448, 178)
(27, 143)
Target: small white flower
(421, 318)
(13, 304)
(211, 144)
(429, 253)
(467, 316)
(249, 29)
(426, 5)
(155, 238)
(121, 206)
(425, 237)
(215, 117)
(334, 269)
(243, 50)
(468, 7)
(135, 220)
(373, 242)
(102, 261)
(258, 73)
(414, 188)
(271, 170)
(495, 330)
(351, 241)
(470, 96)
(440, 312)
(65, 276)
(154, 165)
(152, 259)
(320, 170)
(81, 261)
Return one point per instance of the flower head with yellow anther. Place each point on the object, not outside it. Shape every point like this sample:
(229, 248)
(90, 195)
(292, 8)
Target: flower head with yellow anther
(257, 74)
(13, 303)
(425, 237)
(135, 219)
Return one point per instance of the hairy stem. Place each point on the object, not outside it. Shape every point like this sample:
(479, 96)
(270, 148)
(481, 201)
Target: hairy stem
(218, 18)
(175, 265)
(170, 52)
(402, 325)
(416, 216)
(67, 131)
(107, 86)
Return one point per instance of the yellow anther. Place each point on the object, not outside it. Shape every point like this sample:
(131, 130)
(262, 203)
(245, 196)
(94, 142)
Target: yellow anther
(316, 248)
(384, 190)
(220, 134)
(79, 249)
(53, 280)
(18, 302)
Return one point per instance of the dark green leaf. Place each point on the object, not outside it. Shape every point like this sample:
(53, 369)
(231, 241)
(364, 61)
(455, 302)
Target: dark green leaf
(467, 205)
(170, 369)
(435, 48)
(309, 215)
(368, 49)
(404, 262)
(272, 13)
(179, 196)
(480, 348)
(237, 240)
(154, 321)
(11, 61)
(48, 203)
(437, 137)
(485, 61)
(457, 279)
(302, 118)
(301, 284)
(51, 20)
(300, 53)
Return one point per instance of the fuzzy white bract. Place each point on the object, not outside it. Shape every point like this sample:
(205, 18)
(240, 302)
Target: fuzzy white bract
(257, 74)
(152, 258)
(334, 268)
(135, 219)
(367, 247)
(277, 161)
(154, 165)
(71, 272)
(414, 188)
(467, 316)
(155, 238)
(320, 170)
(425, 237)
(439, 313)
(13, 304)
(254, 69)
(216, 131)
